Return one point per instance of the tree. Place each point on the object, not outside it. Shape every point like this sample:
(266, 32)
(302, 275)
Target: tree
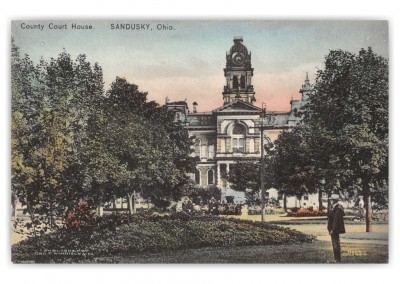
(294, 169)
(348, 116)
(26, 105)
(52, 106)
(244, 176)
(140, 148)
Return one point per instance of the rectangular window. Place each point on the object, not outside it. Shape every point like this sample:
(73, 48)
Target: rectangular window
(211, 151)
(238, 145)
(197, 151)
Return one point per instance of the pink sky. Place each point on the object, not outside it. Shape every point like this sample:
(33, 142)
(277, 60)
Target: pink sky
(187, 62)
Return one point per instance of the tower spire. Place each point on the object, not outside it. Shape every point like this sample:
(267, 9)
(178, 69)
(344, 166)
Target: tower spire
(306, 88)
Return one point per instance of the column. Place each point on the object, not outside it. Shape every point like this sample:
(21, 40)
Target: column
(251, 145)
(219, 182)
(227, 173)
(215, 175)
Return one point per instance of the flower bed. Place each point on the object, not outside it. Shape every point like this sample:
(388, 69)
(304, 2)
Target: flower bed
(303, 212)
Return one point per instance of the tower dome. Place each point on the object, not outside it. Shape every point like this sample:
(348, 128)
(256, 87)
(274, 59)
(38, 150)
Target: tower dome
(238, 47)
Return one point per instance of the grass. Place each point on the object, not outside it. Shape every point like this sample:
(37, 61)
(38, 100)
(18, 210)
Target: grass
(319, 252)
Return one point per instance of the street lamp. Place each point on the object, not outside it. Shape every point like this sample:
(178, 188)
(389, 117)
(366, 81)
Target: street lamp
(262, 163)
(266, 149)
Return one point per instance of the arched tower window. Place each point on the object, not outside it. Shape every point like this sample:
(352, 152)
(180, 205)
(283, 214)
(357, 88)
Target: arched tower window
(238, 139)
(210, 177)
(243, 82)
(197, 176)
(235, 82)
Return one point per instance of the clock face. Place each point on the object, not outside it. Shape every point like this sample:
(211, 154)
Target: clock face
(238, 58)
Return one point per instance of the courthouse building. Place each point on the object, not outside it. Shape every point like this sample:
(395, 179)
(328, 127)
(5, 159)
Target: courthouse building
(232, 132)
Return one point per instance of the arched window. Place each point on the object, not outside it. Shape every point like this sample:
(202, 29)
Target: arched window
(197, 146)
(238, 139)
(197, 176)
(242, 82)
(211, 143)
(235, 82)
(238, 130)
(210, 177)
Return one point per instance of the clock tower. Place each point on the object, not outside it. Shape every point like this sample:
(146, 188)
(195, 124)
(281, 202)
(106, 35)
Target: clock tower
(238, 73)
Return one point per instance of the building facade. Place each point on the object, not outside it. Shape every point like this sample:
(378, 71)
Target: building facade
(232, 132)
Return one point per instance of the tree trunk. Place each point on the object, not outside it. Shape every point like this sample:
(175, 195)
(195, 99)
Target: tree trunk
(368, 215)
(14, 202)
(284, 203)
(320, 199)
(329, 203)
(130, 205)
(100, 211)
(134, 201)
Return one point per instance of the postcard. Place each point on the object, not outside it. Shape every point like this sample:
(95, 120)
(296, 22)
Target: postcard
(144, 141)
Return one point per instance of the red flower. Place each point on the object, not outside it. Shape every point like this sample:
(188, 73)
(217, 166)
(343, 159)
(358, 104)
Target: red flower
(83, 204)
(76, 223)
(70, 216)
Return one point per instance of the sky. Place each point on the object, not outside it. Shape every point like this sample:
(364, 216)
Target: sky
(185, 61)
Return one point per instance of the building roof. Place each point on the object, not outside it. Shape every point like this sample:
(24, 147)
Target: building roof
(238, 106)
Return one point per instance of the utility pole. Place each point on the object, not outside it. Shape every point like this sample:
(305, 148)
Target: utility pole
(269, 150)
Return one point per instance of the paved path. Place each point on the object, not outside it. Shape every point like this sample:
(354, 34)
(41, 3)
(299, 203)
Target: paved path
(355, 232)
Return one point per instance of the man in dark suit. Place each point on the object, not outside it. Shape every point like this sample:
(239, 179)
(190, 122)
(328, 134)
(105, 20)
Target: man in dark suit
(336, 225)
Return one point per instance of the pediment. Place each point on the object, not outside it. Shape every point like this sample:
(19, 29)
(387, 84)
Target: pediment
(237, 106)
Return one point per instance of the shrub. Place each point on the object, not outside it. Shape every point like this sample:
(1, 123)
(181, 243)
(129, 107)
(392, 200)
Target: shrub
(81, 217)
(146, 233)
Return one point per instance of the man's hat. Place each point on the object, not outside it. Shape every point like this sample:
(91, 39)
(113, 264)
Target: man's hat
(334, 197)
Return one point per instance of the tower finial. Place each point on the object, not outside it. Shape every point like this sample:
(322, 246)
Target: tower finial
(307, 77)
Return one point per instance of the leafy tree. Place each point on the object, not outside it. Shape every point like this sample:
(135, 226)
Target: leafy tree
(26, 104)
(244, 176)
(52, 106)
(348, 116)
(141, 149)
(294, 168)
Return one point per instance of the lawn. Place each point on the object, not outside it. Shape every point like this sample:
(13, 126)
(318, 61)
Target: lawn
(185, 239)
(317, 252)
